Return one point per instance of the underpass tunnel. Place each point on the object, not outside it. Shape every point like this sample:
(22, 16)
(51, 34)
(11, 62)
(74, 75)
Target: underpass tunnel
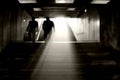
(85, 44)
(84, 27)
(94, 24)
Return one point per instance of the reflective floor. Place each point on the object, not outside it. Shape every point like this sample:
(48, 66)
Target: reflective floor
(61, 61)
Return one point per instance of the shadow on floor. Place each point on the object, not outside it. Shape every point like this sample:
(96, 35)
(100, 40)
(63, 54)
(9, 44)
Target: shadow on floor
(98, 63)
(17, 60)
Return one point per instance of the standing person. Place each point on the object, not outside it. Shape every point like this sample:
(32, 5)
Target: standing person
(32, 29)
(47, 26)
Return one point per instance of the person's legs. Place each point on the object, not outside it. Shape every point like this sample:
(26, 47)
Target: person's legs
(33, 36)
(45, 35)
(29, 35)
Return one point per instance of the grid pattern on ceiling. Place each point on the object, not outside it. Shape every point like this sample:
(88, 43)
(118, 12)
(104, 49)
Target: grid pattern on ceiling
(56, 1)
(100, 1)
(64, 1)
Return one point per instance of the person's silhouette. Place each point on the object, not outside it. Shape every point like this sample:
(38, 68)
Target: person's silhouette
(32, 28)
(47, 26)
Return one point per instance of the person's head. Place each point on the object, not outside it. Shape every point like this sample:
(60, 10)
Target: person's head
(47, 18)
(33, 18)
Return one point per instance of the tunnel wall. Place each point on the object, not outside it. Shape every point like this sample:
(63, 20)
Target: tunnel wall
(86, 27)
(110, 26)
(13, 21)
(91, 20)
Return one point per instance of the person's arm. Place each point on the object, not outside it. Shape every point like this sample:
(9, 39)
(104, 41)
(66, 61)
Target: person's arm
(43, 25)
(28, 27)
(37, 26)
(53, 26)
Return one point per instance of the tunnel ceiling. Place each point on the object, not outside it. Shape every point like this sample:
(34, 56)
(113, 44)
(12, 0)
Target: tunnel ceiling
(50, 8)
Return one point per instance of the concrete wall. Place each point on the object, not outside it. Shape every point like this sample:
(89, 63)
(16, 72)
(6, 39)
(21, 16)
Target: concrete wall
(110, 26)
(13, 21)
(86, 27)
(90, 20)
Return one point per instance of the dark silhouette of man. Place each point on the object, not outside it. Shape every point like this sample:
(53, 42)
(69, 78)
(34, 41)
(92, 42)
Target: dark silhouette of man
(47, 26)
(32, 28)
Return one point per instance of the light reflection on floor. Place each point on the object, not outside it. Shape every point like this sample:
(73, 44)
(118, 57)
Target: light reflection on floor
(57, 62)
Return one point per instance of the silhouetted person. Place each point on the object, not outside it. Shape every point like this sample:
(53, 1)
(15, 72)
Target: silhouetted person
(32, 28)
(47, 26)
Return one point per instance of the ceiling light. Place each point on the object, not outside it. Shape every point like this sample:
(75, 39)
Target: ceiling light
(100, 1)
(37, 9)
(85, 10)
(70, 9)
(64, 1)
(27, 1)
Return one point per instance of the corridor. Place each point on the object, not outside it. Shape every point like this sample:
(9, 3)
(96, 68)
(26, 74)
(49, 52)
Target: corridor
(60, 57)
(85, 44)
